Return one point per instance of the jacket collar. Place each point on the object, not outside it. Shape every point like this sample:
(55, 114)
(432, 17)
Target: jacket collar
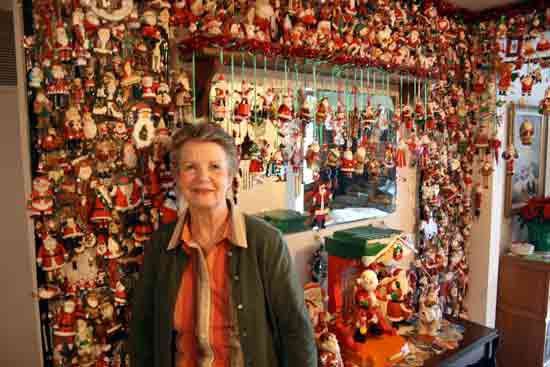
(238, 227)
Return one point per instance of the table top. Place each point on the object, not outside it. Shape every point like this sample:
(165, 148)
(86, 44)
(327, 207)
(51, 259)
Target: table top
(475, 336)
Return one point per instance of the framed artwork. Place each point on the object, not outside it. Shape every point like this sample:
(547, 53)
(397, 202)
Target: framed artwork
(513, 46)
(528, 179)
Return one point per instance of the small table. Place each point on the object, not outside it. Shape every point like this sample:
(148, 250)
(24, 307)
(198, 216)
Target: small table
(477, 348)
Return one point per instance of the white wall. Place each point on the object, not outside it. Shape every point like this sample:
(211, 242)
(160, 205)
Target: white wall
(20, 338)
(302, 245)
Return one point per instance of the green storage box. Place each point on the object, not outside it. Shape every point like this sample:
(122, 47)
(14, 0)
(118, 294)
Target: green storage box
(539, 235)
(360, 241)
(287, 221)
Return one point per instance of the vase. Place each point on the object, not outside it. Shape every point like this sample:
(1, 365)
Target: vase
(539, 235)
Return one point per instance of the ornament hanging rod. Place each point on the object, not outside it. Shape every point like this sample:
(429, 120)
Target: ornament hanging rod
(323, 68)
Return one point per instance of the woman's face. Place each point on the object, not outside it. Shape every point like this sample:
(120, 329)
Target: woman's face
(204, 175)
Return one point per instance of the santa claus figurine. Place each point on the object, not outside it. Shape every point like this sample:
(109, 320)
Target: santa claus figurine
(51, 255)
(347, 166)
(320, 204)
(101, 212)
(544, 105)
(329, 351)
(527, 82)
(510, 155)
(121, 297)
(42, 197)
(360, 159)
(313, 156)
(368, 317)
(397, 291)
(65, 324)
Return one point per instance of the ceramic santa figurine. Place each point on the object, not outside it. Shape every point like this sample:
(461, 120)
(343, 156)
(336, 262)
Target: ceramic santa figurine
(368, 317)
(527, 82)
(510, 155)
(544, 105)
(121, 297)
(42, 107)
(169, 210)
(51, 256)
(360, 159)
(65, 323)
(320, 204)
(397, 291)
(313, 156)
(347, 166)
(329, 351)
(42, 197)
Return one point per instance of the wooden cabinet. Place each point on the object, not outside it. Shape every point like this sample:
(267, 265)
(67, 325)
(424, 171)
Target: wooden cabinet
(523, 312)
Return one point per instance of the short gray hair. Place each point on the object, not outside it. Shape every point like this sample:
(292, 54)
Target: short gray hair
(206, 133)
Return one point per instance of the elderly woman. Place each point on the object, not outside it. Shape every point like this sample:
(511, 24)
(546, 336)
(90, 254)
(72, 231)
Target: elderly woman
(217, 287)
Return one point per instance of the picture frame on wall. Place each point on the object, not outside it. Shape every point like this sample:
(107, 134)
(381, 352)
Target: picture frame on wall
(528, 180)
(513, 46)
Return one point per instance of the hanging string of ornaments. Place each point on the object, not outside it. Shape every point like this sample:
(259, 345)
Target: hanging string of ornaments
(109, 82)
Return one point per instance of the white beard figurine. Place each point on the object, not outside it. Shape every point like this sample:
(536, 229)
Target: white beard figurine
(329, 343)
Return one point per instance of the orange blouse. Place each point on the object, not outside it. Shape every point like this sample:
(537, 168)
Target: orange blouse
(203, 320)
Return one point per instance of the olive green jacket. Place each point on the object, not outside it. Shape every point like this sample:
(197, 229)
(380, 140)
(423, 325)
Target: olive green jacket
(274, 326)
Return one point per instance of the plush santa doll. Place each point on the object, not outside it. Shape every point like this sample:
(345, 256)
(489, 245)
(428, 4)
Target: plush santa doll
(320, 205)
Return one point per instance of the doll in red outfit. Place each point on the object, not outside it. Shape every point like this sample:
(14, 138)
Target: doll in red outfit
(320, 205)
(368, 318)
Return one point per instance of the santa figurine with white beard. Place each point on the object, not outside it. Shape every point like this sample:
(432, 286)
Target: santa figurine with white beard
(329, 351)
(320, 205)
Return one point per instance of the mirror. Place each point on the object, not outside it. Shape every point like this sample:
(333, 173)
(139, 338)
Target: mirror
(310, 144)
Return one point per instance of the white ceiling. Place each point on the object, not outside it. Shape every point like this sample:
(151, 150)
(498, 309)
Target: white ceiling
(478, 5)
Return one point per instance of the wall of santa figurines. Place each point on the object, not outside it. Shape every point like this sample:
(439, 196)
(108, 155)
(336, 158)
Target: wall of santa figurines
(109, 81)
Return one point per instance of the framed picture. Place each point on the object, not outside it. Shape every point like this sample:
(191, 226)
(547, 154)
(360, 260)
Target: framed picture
(528, 179)
(513, 47)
